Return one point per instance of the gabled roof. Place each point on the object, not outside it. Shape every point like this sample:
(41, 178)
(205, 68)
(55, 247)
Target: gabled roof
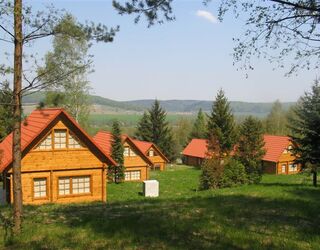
(36, 123)
(104, 139)
(274, 147)
(145, 146)
(196, 148)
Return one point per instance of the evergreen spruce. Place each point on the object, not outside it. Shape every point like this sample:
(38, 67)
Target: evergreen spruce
(6, 111)
(250, 149)
(153, 127)
(117, 172)
(305, 126)
(144, 129)
(199, 129)
(221, 124)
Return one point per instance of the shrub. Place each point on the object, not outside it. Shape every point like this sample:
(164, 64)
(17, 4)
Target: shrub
(234, 174)
(217, 173)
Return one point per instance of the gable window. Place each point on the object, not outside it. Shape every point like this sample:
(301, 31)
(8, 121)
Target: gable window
(73, 141)
(132, 153)
(60, 138)
(40, 188)
(151, 153)
(126, 151)
(46, 143)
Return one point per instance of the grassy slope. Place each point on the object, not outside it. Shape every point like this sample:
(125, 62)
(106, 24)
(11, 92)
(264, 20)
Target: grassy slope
(280, 213)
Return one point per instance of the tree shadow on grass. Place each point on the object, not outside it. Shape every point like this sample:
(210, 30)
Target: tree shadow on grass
(216, 222)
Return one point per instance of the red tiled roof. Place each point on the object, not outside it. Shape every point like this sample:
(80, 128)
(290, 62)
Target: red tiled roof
(104, 139)
(144, 146)
(31, 127)
(274, 147)
(196, 148)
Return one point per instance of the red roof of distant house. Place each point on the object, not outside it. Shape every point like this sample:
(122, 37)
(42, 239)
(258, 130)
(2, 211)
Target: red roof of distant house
(196, 148)
(104, 139)
(144, 146)
(31, 127)
(274, 146)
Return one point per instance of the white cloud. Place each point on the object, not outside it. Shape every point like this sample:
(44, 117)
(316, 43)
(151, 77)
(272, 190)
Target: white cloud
(207, 15)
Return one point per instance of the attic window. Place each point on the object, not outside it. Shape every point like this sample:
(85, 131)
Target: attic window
(73, 141)
(60, 138)
(126, 151)
(132, 153)
(46, 143)
(151, 153)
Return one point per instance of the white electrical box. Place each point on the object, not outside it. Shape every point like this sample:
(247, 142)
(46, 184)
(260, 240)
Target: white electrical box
(151, 188)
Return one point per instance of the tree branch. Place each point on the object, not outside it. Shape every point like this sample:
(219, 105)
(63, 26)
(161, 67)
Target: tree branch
(7, 31)
(296, 5)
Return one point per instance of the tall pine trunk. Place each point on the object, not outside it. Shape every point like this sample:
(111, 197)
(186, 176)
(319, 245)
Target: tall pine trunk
(16, 146)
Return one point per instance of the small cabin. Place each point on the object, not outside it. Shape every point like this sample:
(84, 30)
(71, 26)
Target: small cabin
(195, 152)
(158, 159)
(135, 161)
(60, 161)
(278, 158)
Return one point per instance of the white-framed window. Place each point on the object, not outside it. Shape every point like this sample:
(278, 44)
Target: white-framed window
(40, 188)
(126, 151)
(46, 143)
(64, 186)
(81, 185)
(132, 175)
(60, 138)
(283, 168)
(151, 152)
(293, 167)
(73, 141)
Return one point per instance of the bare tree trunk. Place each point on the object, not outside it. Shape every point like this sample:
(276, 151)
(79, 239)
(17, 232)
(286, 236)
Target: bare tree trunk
(314, 176)
(16, 146)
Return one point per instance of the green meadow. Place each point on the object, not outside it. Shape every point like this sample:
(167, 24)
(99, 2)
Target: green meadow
(282, 212)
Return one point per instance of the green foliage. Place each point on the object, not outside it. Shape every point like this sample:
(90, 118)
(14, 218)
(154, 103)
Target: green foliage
(117, 172)
(305, 127)
(6, 111)
(234, 174)
(66, 69)
(211, 173)
(199, 129)
(181, 131)
(276, 121)
(250, 149)
(221, 123)
(154, 127)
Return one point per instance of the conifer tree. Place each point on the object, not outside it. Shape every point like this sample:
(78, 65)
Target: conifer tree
(143, 131)
(199, 129)
(117, 172)
(305, 126)
(221, 123)
(250, 148)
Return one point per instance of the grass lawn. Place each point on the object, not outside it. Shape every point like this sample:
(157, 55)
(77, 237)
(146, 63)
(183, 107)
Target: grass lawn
(280, 213)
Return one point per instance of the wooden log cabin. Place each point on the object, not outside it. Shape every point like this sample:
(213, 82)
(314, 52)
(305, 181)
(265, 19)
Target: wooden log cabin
(60, 162)
(278, 159)
(158, 159)
(136, 163)
(195, 152)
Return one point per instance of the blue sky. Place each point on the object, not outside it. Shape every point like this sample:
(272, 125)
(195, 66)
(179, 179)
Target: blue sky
(190, 58)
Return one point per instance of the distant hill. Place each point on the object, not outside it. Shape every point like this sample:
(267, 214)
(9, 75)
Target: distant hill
(105, 105)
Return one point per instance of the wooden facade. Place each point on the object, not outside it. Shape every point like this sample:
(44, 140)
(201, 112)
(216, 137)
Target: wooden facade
(278, 158)
(192, 160)
(61, 164)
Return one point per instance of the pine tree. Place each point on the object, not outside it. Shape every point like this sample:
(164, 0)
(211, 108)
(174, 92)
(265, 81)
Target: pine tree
(250, 148)
(305, 126)
(199, 129)
(221, 123)
(117, 172)
(144, 129)
(153, 127)
(6, 111)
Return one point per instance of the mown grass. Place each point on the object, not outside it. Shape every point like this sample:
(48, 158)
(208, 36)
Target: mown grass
(280, 213)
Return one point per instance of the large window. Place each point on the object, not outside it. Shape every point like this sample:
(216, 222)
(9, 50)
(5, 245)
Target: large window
(132, 175)
(293, 167)
(128, 152)
(60, 138)
(73, 141)
(74, 185)
(40, 188)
